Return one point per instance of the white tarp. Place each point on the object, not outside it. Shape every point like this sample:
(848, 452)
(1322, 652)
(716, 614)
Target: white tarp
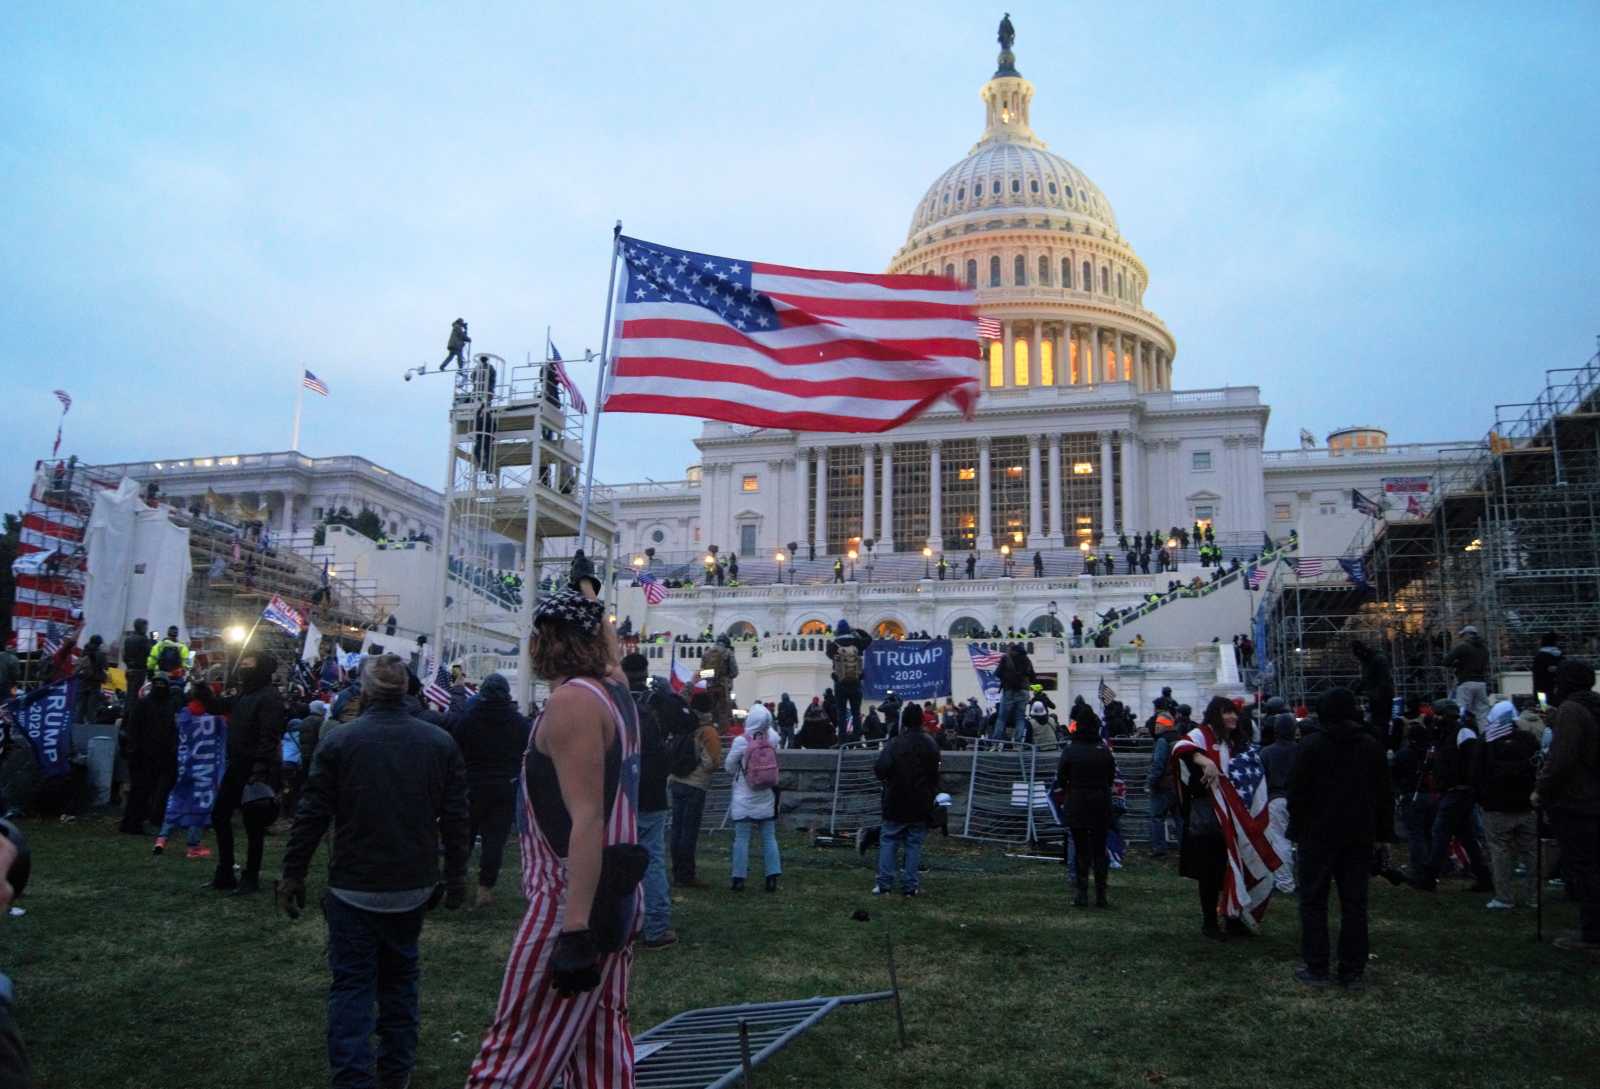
(138, 567)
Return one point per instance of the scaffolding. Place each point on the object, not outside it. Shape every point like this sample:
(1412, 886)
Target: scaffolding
(512, 477)
(1507, 540)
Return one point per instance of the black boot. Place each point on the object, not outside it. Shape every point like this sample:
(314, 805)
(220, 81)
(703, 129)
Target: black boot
(1100, 895)
(223, 880)
(248, 883)
(772, 882)
(1081, 900)
(738, 884)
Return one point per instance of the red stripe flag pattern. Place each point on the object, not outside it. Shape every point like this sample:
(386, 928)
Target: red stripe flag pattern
(988, 329)
(1239, 800)
(774, 346)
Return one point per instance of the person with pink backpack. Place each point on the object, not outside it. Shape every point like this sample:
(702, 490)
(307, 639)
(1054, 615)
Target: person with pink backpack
(753, 763)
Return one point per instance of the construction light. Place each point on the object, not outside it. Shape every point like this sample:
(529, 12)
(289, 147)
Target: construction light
(234, 633)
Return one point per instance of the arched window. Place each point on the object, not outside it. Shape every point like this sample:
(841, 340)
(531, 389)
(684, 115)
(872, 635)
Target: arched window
(961, 194)
(977, 189)
(1105, 280)
(1044, 271)
(972, 274)
(1019, 365)
(1088, 278)
(950, 272)
(997, 364)
(1052, 189)
(1016, 185)
(1120, 293)
(1019, 270)
(1034, 185)
(813, 627)
(889, 629)
(1066, 272)
(947, 198)
(994, 269)
(967, 627)
(995, 188)
(741, 629)
(1045, 625)
(1069, 192)
(1047, 362)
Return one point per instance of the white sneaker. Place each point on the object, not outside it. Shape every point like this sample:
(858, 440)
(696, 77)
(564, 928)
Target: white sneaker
(879, 890)
(1498, 905)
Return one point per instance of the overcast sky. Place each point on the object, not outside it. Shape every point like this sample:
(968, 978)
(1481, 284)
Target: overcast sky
(1376, 216)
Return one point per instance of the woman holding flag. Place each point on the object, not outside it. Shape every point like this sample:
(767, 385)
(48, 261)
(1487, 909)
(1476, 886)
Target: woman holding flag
(1223, 795)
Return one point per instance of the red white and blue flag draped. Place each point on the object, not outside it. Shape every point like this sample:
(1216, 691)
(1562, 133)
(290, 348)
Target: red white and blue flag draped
(773, 346)
(1239, 799)
(654, 592)
(281, 614)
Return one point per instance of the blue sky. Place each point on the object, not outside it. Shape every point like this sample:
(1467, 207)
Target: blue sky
(1375, 214)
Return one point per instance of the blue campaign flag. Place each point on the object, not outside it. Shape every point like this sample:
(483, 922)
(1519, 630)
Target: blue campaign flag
(917, 669)
(202, 760)
(45, 716)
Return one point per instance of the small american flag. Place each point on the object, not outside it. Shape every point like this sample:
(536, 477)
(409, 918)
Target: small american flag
(773, 346)
(1308, 569)
(314, 384)
(654, 592)
(437, 690)
(66, 400)
(989, 329)
(1256, 578)
(985, 659)
(566, 381)
(283, 615)
(1107, 693)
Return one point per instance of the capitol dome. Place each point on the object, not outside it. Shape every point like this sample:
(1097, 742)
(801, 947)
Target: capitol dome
(1038, 243)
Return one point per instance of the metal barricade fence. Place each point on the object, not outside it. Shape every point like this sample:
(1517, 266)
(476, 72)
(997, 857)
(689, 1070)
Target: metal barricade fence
(1003, 793)
(857, 794)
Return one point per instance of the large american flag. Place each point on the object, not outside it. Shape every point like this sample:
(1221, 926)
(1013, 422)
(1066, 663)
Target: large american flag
(1107, 693)
(654, 592)
(1239, 799)
(773, 346)
(1256, 577)
(1308, 569)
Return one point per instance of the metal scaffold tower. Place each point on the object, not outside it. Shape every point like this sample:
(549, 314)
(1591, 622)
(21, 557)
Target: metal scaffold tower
(513, 490)
(1508, 541)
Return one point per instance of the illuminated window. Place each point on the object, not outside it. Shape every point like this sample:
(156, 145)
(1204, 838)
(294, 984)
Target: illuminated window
(1073, 351)
(750, 483)
(997, 364)
(813, 627)
(1111, 365)
(1019, 366)
(1047, 363)
(1280, 512)
(1082, 468)
(994, 268)
(1200, 460)
(967, 472)
(1013, 470)
(1019, 271)
(1085, 520)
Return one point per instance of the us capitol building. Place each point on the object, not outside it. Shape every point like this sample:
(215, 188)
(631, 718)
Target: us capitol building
(1081, 434)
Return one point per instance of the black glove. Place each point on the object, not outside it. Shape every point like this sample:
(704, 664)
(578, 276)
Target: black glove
(290, 893)
(574, 963)
(454, 897)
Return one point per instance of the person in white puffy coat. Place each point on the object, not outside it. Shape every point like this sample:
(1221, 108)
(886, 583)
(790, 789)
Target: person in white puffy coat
(753, 808)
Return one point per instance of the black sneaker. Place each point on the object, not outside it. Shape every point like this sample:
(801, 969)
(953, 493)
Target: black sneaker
(912, 892)
(1310, 978)
(1353, 984)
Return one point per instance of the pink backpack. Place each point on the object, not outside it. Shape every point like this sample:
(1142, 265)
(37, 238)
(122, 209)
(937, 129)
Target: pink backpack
(761, 762)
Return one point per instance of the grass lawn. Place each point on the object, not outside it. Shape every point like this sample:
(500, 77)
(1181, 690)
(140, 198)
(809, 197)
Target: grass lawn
(129, 976)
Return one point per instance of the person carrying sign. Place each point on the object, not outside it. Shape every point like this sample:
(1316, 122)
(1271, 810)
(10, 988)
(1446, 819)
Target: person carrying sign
(724, 667)
(848, 652)
(202, 761)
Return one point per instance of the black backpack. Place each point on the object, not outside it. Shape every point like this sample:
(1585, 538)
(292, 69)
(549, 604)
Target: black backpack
(685, 755)
(169, 658)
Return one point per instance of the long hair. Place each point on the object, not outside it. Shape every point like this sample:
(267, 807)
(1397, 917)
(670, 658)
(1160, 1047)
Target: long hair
(561, 650)
(1213, 716)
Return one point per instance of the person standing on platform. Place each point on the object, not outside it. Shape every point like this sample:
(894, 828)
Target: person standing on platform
(972, 566)
(1377, 685)
(848, 653)
(1469, 659)
(720, 662)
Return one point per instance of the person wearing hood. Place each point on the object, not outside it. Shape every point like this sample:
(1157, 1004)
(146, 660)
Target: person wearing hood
(255, 730)
(135, 652)
(1545, 661)
(788, 721)
(754, 805)
(152, 747)
(1277, 763)
(1469, 658)
(1339, 810)
(1569, 790)
(307, 736)
(1505, 783)
(1377, 684)
(90, 669)
(1163, 798)
(848, 653)
(1454, 758)
(908, 768)
(1085, 777)
(492, 735)
(201, 715)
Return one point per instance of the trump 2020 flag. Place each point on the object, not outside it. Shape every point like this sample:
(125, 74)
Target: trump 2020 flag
(283, 615)
(774, 346)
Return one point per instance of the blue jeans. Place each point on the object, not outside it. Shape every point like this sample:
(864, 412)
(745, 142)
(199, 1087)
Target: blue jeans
(1012, 718)
(1161, 804)
(373, 958)
(1454, 819)
(771, 864)
(688, 806)
(891, 837)
(657, 899)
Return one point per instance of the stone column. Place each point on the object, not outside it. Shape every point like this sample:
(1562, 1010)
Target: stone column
(985, 524)
(1055, 488)
(820, 530)
(1036, 354)
(886, 513)
(935, 497)
(1035, 514)
(869, 472)
(802, 492)
(1058, 357)
(1008, 355)
(286, 521)
(773, 524)
(1129, 492)
(1096, 360)
(1108, 511)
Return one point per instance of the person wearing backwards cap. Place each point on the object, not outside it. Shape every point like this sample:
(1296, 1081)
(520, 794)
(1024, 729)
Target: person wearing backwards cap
(1505, 781)
(563, 1009)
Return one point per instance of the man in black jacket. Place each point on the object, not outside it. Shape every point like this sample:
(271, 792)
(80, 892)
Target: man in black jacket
(492, 736)
(135, 655)
(1339, 808)
(653, 807)
(1469, 659)
(1377, 684)
(1504, 777)
(1015, 674)
(848, 652)
(908, 768)
(393, 786)
(1454, 757)
(152, 750)
(1084, 777)
(255, 733)
(1569, 789)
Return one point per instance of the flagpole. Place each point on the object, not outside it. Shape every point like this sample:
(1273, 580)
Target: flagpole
(299, 402)
(599, 385)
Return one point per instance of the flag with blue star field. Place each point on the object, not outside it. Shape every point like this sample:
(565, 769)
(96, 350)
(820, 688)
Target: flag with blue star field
(774, 346)
(1238, 798)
